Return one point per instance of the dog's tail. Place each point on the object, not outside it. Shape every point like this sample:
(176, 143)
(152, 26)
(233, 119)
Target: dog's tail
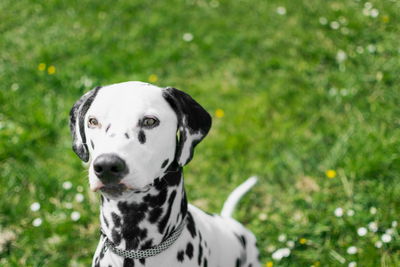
(236, 195)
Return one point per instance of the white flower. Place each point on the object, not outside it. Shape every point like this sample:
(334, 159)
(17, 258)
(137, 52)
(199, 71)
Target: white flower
(338, 212)
(352, 264)
(67, 185)
(389, 231)
(352, 250)
(35, 206)
(14, 86)
(386, 238)
(374, 13)
(334, 25)
(345, 92)
(368, 5)
(360, 49)
(79, 188)
(75, 215)
(333, 91)
(187, 37)
(37, 222)
(214, 4)
(350, 213)
(343, 20)
(373, 227)
(271, 248)
(281, 253)
(378, 244)
(262, 216)
(290, 244)
(79, 197)
(372, 48)
(341, 56)
(366, 12)
(394, 224)
(282, 238)
(345, 30)
(281, 10)
(323, 21)
(68, 205)
(362, 231)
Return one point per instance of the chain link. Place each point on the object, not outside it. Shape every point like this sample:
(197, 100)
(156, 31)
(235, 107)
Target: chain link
(140, 254)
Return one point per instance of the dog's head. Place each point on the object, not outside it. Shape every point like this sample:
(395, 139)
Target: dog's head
(130, 133)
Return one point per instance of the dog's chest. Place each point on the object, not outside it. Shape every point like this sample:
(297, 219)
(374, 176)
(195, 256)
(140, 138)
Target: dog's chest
(205, 241)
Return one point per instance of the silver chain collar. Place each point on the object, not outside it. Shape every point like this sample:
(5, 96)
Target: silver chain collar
(141, 254)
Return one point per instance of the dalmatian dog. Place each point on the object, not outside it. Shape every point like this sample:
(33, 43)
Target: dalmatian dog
(136, 137)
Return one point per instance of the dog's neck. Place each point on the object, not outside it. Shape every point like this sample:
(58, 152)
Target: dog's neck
(146, 218)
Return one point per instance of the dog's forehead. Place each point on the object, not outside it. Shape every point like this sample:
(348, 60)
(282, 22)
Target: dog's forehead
(132, 96)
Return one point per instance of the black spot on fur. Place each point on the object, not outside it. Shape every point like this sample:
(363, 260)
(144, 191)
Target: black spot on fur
(180, 256)
(102, 252)
(142, 261)
(173, 178)
(191, 225)
(108, 127)
(141, 137)
(164, 163)
(156, 200)
(189, 250)
(205, 263)
(238, 263)
(127, 135)
(184, 205)
(116, 219)
(147, 244)
(200, 253)
(155, 214)
(241, 239)
(116, 237)
(91, 142)
(163, 222)
(132, 215)
(129, 263)
(250, 265)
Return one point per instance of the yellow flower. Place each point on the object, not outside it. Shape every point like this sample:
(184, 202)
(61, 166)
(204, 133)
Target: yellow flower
(269, 264)
(153, 78)
(302, 241)
(330, 174)
(385, 19)
(41, 66)
(51, 70)
(219, 113)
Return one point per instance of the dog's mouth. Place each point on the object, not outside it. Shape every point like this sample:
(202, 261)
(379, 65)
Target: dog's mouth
(113, 189)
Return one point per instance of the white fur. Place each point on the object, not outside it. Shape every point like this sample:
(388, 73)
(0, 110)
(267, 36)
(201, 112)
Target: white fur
(236, 195)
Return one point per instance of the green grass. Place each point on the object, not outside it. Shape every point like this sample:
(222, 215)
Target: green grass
(292, 110)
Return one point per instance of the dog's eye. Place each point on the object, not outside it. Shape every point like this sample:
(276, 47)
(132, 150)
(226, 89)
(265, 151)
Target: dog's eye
(149, 122)
(93, 123)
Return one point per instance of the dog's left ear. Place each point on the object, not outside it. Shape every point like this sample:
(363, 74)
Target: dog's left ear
(194, 122)
(77, 123)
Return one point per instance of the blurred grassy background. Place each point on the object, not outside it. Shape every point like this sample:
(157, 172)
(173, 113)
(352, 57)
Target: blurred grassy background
(296, 88)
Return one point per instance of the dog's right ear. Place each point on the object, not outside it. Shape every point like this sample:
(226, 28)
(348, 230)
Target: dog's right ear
(77, 123)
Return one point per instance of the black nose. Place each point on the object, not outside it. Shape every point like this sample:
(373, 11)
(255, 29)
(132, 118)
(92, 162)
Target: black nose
(109, 168)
